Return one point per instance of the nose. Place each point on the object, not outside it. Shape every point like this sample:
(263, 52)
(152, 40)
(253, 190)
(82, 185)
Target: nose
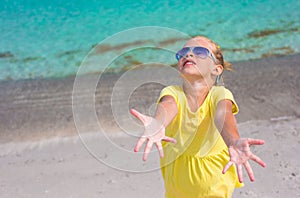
(189, 53)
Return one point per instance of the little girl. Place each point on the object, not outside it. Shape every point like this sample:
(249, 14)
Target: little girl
(199, 117)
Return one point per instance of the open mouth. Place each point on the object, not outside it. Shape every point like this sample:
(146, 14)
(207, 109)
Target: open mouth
(188, 63)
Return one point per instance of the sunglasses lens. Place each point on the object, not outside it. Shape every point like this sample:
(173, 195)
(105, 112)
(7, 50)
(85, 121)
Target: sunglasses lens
(181, 53)
(201, 52)
(178, 57)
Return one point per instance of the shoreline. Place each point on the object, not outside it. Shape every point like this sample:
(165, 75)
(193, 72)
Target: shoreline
(40, 109)
(119, 71)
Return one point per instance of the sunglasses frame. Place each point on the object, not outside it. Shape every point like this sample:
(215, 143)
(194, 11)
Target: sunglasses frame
(208, 53)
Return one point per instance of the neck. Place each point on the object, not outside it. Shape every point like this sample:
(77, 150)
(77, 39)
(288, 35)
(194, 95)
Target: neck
(196, 91)
(196, 87)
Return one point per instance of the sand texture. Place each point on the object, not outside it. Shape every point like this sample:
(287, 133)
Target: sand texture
(43, 155)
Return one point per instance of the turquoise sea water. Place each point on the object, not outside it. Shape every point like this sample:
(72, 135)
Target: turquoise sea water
(42, 39)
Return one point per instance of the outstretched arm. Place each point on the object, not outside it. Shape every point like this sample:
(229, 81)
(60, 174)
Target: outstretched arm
(239, 148)
(155, 126)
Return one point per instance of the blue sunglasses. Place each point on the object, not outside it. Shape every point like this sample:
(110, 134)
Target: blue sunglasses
(200, 52)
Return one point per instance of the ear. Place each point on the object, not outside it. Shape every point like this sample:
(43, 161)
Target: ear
(218, 70)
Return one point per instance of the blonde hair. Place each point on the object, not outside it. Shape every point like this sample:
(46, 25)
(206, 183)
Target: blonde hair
(217, 52)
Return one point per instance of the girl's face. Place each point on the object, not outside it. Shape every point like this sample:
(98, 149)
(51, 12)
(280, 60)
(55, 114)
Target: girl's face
(192, 66)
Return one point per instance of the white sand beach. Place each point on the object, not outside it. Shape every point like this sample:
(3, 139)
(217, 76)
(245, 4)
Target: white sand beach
(42, 155)
(64, 167)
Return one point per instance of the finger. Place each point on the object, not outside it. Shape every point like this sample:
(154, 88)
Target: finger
(249, 171)
(138, 115)
(169, 139)
(147, 150)
(240, 173)
(139, 144)
(255, 141)
(258, 160)
(160, 149)
(227, 167)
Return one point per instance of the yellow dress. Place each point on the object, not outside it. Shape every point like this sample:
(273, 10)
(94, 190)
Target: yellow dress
(192, 168)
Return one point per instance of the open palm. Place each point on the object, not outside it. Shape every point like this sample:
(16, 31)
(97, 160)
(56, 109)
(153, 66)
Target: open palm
(154, 133)
(240, 154)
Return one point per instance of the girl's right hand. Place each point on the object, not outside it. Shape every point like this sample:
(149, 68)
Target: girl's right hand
(154, 133)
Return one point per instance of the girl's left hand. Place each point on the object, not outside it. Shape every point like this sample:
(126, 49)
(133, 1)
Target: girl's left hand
(240, 154)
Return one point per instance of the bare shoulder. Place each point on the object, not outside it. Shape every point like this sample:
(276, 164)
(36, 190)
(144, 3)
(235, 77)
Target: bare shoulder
(168, 99)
